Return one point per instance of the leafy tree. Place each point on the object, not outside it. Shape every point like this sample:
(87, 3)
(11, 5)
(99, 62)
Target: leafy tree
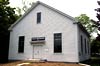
(18, 11)
(97, 23)
(7, 17)
(95, 46)
(87, 23)
(26, 5)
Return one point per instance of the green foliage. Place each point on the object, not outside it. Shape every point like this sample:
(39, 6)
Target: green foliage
(19, 11)
(7, 14)
(86, 22)
(4, 2)
(26, 5)
(95, 46)
(7, 17)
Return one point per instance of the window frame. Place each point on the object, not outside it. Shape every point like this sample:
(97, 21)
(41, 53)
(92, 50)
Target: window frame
(38, 17)
(81, 44)
(57, 43)
(21, 44)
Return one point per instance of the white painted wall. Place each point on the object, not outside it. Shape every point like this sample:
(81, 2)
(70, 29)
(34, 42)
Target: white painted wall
(51, 23)
(84, 56)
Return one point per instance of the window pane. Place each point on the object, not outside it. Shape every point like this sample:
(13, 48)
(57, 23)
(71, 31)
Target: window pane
(21, 44)
(88, 47)
(34, 39)
(41, 38)
(38, 17)
(57, 43)
(81, 44)
(85, 46)
(38, 38)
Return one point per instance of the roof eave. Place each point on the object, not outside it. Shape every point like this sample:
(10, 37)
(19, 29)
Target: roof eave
(83, 29)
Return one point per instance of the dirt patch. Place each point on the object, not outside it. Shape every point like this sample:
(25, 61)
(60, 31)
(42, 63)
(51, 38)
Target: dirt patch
(51, 64)
(24, 63)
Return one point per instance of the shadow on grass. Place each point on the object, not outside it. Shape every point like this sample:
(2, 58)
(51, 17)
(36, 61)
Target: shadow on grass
(94, 61)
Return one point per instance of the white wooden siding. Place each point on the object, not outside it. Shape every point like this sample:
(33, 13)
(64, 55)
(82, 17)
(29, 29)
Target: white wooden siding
(51, 22)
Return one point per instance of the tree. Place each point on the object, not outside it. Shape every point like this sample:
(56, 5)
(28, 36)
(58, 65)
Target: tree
(95, 46)
(7, 17)
(97, 23)
(87, 23)
(26, 5)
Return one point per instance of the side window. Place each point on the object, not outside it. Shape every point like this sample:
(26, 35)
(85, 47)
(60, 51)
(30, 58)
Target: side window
(81, 44)
(21, 44)
(57, 43)
(38, 17)
(88, 47)
(85, 45)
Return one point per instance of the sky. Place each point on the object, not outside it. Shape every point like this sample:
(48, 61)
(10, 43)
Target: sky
(71, 7)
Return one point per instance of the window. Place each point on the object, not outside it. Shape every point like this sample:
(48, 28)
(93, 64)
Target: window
(85, 45)
(38, 38)
(57, 43)
(81, 44)
(38, 17)
(88, 47)
(21, 44)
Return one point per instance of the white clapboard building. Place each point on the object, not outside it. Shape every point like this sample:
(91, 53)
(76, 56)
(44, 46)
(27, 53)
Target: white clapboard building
(44, 32)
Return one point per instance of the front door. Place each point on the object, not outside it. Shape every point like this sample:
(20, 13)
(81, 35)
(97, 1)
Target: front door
(37, 52)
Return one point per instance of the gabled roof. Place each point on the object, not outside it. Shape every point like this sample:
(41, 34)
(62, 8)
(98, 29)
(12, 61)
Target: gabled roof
(63, 14)
(36, 4)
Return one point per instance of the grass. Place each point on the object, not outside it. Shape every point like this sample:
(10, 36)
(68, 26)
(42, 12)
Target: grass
(95, 61)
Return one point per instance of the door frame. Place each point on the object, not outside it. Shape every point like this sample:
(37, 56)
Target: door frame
(36, 52)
